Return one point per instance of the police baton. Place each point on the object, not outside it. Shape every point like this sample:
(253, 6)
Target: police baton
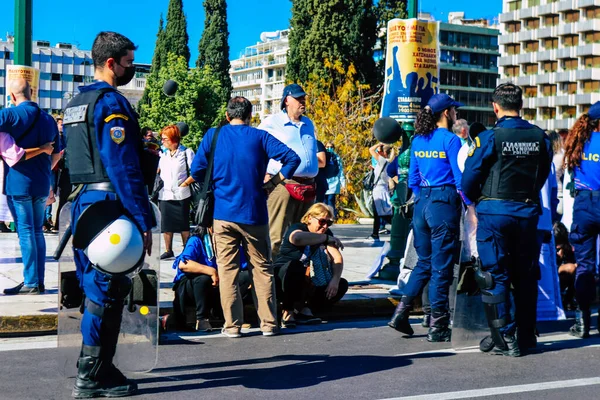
(62, 243)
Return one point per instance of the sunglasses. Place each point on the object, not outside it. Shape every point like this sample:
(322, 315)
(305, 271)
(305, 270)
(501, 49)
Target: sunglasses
(324, 221)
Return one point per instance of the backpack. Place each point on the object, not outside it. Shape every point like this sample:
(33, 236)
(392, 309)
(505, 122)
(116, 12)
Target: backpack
(332, 166)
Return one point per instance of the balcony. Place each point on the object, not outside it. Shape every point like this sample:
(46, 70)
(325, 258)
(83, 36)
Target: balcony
(526, 13)
(566, 76)
(527, 58)
(565, 100)
(507, 60)
(567, 52)
(508, 16)
(547, 101)
(248, 82)
(567, 28)
(566, 5)
(588, 74)
(547, 32)
(586, 3)
(545, 78)
(563, 123)
(547, 55)
(587, 98)
(547, 9)
(588, 25)
(508, 38)
(529, 102)
(527, 80)
(588, 49)
(525, 36)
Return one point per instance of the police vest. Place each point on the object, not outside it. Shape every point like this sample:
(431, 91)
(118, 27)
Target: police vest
(515, 175)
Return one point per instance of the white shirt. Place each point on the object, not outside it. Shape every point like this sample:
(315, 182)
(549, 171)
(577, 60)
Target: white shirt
(173, 172)
(298, 136)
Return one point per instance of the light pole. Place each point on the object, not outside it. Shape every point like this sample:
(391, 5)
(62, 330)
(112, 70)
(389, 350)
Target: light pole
(23, 11)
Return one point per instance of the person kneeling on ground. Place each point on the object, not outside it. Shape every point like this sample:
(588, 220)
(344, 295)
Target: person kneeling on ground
(309, 246)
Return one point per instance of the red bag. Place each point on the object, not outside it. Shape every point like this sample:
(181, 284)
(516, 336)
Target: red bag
(303, 193)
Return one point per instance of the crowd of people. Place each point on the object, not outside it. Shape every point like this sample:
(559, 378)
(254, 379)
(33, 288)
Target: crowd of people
(270, 240)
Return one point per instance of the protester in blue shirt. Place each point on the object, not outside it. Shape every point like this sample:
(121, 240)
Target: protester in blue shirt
(504, 173)
(582, 152)
(28, 182)
(240, 214)
(434, 177)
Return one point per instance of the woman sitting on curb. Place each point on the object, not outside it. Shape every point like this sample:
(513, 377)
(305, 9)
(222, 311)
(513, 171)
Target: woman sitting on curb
(309, 246)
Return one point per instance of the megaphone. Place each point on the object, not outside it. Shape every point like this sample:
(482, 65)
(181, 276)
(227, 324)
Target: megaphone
(170, 87)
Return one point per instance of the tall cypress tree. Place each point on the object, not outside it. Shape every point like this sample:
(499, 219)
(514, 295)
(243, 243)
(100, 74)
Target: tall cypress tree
(213, 49)
(296, 69)
(159, 55)
(386, 11)
(176, 36)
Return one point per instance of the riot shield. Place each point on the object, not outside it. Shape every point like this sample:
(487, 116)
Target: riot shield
(137, 349)
(469, 324)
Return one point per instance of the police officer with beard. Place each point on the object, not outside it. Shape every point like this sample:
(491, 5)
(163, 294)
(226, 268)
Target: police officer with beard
(104, 147)
(504, 173)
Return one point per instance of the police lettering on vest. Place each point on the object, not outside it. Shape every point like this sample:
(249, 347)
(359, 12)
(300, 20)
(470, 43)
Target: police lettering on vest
(430, 154)
(519, 153)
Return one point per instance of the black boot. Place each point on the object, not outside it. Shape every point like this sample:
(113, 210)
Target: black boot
(583, 320)
(399, 320)
(98, 377)
(439, 331)
(509, 347)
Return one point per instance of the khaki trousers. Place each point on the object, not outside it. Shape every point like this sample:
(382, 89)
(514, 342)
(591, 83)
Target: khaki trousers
(284, 211)
(228, 237)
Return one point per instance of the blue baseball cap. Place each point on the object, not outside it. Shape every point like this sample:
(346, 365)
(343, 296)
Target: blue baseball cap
(594, 111)
(293, 90)
(441, 101)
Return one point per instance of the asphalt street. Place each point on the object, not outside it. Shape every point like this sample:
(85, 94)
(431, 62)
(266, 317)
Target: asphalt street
(341, 360)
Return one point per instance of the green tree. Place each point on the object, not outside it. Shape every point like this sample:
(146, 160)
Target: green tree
(176, 36)
(213, 49)
(197, 102)
(159, 53)
(387, 10)
(343, 30)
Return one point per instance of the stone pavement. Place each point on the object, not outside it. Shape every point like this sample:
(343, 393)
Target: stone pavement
(30, 314)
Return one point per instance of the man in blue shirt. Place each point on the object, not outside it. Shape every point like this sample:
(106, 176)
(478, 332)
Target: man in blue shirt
(504, 173)
(240, 215)
(28, 182)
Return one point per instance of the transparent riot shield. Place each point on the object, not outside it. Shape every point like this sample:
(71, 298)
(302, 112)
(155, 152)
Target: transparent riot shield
(137, 349)
(469, 323)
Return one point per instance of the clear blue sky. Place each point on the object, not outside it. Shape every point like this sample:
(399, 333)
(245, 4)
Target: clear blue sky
(66, 21)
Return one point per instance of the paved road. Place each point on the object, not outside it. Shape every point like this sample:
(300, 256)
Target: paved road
(351, 360)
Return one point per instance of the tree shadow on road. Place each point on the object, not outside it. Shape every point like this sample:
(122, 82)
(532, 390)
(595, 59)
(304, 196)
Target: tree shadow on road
(291, 372)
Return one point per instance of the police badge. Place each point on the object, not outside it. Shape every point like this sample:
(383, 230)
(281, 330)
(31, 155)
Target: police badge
(117, 134)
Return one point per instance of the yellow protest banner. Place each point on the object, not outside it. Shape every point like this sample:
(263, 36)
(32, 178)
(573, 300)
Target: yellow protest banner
(31, 75)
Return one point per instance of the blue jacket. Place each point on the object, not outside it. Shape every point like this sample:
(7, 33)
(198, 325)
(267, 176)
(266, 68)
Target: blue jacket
(587, 175)
(240, 163)
(433, 160)
(477, 170)
(30, 177)
(121, 160)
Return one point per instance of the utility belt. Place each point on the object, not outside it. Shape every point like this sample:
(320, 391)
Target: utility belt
(588, 193)
(523, 200)
(100, 186)
(304, 181)
(429, 189)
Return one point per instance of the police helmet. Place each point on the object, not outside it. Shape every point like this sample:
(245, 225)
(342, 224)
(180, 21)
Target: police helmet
(110, 239)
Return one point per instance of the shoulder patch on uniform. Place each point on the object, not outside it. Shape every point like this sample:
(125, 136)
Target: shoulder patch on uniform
(75, 114)
(471, 151)
(113, 116)
(477, 142)
(117, 134)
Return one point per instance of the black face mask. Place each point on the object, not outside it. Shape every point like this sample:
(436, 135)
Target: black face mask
(127, 76)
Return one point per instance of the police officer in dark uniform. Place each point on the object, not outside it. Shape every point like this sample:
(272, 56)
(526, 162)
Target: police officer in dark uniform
(104, 147)
(435, 179)
(582, 152)
(504, 173)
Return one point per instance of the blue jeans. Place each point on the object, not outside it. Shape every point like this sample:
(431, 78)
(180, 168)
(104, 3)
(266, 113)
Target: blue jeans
(28, 212)
(330, 201)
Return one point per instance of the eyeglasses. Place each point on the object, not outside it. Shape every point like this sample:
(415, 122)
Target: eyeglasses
(324, 221)
(164, 138)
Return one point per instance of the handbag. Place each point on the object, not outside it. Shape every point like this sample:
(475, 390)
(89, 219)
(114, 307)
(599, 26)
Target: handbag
(320, 267)
(301, 192)
(206, 200)
(368, 181)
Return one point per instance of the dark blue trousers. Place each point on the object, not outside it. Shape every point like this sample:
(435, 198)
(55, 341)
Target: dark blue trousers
(436, 226)
(584, 232)
(509, 249)
(103, 290)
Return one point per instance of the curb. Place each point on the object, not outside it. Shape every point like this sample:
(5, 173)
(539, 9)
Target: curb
(28, 325)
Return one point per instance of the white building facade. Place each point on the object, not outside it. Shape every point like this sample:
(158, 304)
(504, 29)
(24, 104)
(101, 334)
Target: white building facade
(552, 50)
(63, 68)
(259, 73)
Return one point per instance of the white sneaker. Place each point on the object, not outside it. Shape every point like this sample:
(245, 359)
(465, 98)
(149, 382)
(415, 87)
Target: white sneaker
(270, 333)
(231, 333)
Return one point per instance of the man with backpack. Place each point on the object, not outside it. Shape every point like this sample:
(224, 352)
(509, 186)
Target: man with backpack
(334, 172)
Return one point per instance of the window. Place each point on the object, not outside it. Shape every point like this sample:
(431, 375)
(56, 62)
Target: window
(592, 12)
(56, 77)
(533, 3)
(533, 45)
(513, 49)
(551, 20)
(548, 90)
(550, 66)
(515, 5)
(78, 78)
(45, 76)
(531, 69)
(571, 40)
(568, 112)
(512, 27)
(571, 16)
(569, 87)
(591, 37)
(590, 86)
(584, 108)
(551, 43)
(591, 61)
(532, 23)
(570, 64)
(548, 112)
(529, 114)
(530, 91)
(512, 71)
